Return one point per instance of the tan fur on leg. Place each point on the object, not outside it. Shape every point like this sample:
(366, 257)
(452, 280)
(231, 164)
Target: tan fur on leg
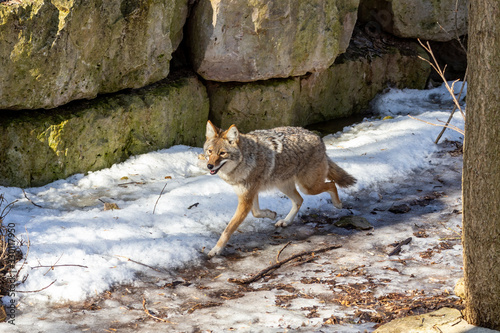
(244, 206)
(313, 182)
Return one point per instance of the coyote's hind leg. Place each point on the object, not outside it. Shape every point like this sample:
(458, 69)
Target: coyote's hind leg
(313, 182)
(291, 192)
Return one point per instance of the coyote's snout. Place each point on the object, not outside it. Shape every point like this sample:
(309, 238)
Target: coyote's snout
(282, 157)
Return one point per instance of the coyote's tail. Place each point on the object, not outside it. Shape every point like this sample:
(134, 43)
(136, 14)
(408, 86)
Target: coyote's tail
(339, 175)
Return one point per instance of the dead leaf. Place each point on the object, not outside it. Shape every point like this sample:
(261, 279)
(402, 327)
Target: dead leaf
(110, 206)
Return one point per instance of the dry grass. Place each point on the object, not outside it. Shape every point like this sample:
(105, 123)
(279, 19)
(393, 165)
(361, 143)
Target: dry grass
(10, 252)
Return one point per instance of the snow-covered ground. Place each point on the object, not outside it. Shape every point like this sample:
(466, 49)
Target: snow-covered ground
(93, 249)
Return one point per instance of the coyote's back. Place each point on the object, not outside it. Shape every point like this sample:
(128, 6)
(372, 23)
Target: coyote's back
(286, 152)
(281, 157)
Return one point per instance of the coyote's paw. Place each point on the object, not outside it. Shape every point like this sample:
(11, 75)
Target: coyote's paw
(214, 252)
(281, 223)
(337, 205)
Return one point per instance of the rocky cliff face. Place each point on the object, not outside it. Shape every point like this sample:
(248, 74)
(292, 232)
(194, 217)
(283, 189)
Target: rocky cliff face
(264, 63)
(436, 20)
(262, 39)
(39, 147)
(345, 88)
(53, 52)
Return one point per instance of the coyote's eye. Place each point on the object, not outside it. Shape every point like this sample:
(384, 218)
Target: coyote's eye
(209, 151)
(222, 153)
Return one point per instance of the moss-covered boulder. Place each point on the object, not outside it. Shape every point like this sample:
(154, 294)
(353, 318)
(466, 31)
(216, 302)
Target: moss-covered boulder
(40, 146)
(254, 105)
(436, 20)
(250, 40)
(53, 52)
(347, 87)
(439, 20)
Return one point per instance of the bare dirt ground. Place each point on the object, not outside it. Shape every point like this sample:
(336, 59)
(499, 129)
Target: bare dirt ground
(352, 288)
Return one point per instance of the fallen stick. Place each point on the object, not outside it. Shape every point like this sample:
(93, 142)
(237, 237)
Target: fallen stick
(456, 129)
(151, 315)
(277, 265)
(36, 291)
(454, 109)
(52, 265)
(62, 265)
(397, 249)
(139, 263)
(161, 193)
(131, 183)
(194, 205)
(7, 208)
(34, 204)
(278, 255)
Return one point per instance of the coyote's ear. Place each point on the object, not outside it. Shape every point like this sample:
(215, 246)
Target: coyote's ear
(212, 131)
(232, 134)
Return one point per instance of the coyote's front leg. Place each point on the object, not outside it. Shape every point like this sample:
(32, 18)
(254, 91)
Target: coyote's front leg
(244, 205)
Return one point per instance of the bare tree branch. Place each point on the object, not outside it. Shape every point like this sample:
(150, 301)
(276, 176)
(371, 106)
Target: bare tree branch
(277, 265)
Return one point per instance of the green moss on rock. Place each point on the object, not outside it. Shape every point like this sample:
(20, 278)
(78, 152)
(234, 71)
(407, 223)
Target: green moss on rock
(247, 41)
(347, 87)
(438, 20)
(53, 52)
(261, 104)
(344, 89)
(37, 147)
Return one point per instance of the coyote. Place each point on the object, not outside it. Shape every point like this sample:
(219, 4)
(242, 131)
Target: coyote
(276, 158)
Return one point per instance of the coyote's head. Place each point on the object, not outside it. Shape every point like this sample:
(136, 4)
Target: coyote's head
(221, 148)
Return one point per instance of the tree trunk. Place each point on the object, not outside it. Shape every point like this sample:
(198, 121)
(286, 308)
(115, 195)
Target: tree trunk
(481, 173)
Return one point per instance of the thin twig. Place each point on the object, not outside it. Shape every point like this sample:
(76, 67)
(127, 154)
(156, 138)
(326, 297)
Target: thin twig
(9, 207)
(436, 67)
(271, 268)
(153, 316)
(161, 193)
(34, 204)
(139, 263)
(36, 291)
(454, 108)
(194, 205)
(131, 183)
(278, 255)
(62, 265)
(28, 245)
(456, 28)
(54, 264)
(459, 130)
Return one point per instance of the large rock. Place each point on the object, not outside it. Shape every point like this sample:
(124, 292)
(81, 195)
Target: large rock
(437, 20)
(445, 320)
(37, 147)
(254, 105)
(53, 52)
(346, 88)
(349, 85)
(245, 41)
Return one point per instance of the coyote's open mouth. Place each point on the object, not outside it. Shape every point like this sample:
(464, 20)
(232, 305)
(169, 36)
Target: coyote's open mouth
(214, 169)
